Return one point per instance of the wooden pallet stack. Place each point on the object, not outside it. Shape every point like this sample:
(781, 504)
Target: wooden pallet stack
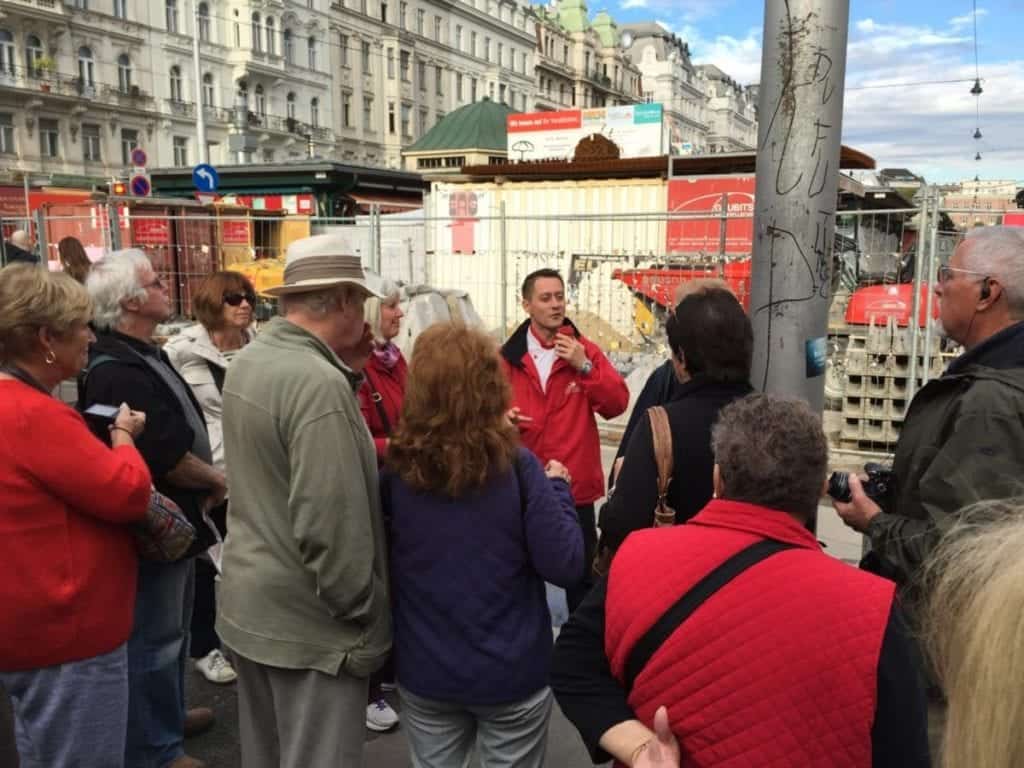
(877, 373)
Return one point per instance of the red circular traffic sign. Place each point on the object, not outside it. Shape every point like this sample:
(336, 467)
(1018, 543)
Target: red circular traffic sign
(139, 158)
(139, 186)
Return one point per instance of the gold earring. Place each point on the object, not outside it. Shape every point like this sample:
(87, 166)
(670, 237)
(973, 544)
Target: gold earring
(49, 357)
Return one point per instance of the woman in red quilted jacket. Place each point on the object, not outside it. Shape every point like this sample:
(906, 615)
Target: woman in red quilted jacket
(774, 654)
(381, 396)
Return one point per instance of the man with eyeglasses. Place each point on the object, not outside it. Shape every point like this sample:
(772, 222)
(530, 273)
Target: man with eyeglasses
(963, 437)
(126, 366)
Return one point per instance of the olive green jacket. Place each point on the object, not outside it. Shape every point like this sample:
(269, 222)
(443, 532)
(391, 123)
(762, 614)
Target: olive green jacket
(304, 582)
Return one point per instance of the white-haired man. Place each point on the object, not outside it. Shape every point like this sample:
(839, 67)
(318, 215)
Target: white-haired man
(126, 366)
(303, 601)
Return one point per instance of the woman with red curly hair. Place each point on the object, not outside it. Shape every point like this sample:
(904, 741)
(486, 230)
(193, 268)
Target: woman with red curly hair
(477, 527)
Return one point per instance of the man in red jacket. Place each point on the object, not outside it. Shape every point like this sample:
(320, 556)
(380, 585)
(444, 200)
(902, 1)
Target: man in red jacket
(560, 379)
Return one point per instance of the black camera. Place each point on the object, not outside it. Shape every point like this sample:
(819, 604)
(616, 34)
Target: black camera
(875, 487)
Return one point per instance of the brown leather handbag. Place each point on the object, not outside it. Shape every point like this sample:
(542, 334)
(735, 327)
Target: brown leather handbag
(664, 515)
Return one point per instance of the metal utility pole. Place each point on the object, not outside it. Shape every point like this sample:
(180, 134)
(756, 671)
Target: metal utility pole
(196, 67)
(800, 111)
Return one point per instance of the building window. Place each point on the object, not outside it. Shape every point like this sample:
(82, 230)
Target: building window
(33, 52)
(391, 117)
(175, 78)
(289, 106)
(257, 33)
(204, 22)
(458, 86)
(271, 36)
(120, 9)
(180, 151)
(438, 32)
(86, 67)
(289, 47)
(458, 37)
(49, 138)
(366, 58)
(311, 43)
(268, 155)
(421, 74)
(238, 31)
(512, 59)
(501, 55)
(384, 12)
(472, 43)
(487, 49)
(314, 112)
(438, 80)
(343, 49)
(421, 122)
(129, 142)
(421, 16)
(367, 113)
(472, 89)
(171, 14)
(391, 63)
(404, 66)
(406, 121)
(261, 101)
(346, 109)
(208, 90)
(124, 73)
(565, 54)
(6, 133)
(403, 9)
(501, 93)
(7, 64)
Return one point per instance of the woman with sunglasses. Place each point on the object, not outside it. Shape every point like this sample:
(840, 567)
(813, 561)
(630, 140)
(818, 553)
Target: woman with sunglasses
(224, 306)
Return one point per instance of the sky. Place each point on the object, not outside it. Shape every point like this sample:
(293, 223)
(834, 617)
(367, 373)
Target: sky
(928, 128)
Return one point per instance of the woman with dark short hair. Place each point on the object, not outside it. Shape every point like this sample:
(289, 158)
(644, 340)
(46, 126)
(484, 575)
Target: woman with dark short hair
(477, 526)
(223, 305)
(711, 341)
(764, 650)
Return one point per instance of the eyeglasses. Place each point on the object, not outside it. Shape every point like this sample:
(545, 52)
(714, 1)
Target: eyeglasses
(946, 272)
(236, 299)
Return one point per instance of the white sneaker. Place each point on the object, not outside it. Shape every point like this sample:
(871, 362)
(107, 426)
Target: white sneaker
(216, 668)
(380, 716)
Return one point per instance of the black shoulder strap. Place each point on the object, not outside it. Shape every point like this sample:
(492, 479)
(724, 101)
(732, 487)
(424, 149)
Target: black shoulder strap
(378, 402)
(218, 375)
(684, 607)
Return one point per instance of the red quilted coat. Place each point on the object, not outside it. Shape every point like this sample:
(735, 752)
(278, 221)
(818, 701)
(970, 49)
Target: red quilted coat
(778, 668)
(390, 385)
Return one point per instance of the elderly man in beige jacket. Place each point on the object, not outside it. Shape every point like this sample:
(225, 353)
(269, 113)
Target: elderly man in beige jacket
(303, 600)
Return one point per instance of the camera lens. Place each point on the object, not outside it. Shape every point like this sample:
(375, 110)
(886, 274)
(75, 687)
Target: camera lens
(839, 486)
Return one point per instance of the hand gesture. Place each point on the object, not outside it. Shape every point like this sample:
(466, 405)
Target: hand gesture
(661, 751)
(556, 469)
(860, 510)
(132, 422)
(516, 417)
(570, 350)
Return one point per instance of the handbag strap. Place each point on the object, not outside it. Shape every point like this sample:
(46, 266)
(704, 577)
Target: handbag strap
(378, 401)
(693, 599)
(661, 435)
(218, 375)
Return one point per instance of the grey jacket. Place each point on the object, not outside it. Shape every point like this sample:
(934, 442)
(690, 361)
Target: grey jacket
(305, 574)
(962, 442)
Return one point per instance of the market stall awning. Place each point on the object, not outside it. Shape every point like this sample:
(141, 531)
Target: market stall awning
(386, 203)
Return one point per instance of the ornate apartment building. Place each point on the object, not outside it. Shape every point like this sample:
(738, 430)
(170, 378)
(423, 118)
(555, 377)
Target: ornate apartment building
(731, 111)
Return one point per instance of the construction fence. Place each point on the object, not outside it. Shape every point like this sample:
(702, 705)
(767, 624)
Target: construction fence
(621, 272)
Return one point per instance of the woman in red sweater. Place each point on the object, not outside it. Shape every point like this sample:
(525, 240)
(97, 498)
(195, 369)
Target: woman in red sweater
(380, 397)
(67, 556)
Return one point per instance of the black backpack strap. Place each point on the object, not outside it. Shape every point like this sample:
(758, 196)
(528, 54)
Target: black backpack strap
(684, 607)
(218, 374)
(83, 376)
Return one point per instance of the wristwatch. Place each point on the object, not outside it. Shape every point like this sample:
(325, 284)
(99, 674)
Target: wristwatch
(586, 368)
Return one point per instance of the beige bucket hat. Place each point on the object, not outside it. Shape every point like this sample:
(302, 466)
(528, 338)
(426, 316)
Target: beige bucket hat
(318, 262)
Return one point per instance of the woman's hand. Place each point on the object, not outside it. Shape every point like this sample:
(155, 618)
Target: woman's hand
(556, 469)
(128, 421)
(663, 750)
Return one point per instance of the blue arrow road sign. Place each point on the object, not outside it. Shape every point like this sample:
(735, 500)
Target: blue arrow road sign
(205, 178)
(139, 186)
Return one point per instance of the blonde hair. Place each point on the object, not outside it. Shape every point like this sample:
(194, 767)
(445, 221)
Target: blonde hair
(32, 298)
(974, 634)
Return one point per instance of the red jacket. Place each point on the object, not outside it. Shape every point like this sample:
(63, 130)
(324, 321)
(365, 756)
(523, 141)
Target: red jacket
(777, 668)
(390, 385)
(563, 425)
(67, 558)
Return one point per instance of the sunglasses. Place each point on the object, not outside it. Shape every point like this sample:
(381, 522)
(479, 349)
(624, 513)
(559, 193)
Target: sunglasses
(236, 299)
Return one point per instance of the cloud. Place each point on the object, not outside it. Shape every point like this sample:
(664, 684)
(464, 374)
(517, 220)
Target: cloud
(633, 4)
(687, 11)
(967, 20)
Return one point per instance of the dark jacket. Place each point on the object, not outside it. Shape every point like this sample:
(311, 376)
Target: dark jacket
(962, 441)
(661, 387)
(167, 436)
(691, 416)
(16, 255)
(471, 618)
(799, 661)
